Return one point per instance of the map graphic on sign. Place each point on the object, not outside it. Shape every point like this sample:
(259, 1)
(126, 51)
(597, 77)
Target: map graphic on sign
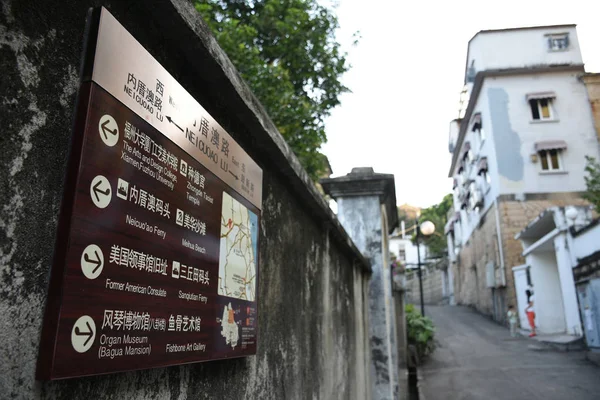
(238, 249)
(230, 330)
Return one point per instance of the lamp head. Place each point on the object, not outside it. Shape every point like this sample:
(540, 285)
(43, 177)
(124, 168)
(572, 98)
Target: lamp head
(427, 228)
(571, 213)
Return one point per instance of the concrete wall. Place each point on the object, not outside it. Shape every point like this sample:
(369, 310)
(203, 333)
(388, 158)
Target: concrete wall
(563, 257)
(549, 309)
(573, 123)
(519, 48)
(586, 243)
(433, 287)
(592, 83)
(313, 341)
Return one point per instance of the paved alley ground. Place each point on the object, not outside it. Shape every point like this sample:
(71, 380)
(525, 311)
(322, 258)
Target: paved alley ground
(477, 359)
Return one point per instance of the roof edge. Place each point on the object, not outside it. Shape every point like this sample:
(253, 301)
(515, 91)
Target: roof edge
(523, 28)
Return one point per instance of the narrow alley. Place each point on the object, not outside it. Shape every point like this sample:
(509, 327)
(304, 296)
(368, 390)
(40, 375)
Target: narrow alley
(477, 359)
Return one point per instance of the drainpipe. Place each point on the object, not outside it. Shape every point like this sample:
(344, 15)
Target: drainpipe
(500, 248)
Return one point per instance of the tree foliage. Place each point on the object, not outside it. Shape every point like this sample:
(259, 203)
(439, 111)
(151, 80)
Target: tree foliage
(438, 214)
(286, 51)
(592, 182)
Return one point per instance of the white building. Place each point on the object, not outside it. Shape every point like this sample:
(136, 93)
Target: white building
(402, 246)
(405, 250)
(518, 147)
(551, 252)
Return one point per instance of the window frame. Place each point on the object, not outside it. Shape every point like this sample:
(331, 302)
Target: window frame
(477, 129)
(560, 37)
(541, 118)
(402, 254)
(548, 158)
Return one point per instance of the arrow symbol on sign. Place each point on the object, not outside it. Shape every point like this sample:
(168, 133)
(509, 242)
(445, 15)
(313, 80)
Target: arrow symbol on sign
(173, 122)
(97, 261)
(234, 175)
(89, 333)
(97, 190)
(105, 129)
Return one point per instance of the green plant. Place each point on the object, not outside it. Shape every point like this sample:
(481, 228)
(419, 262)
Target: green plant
(420, 331)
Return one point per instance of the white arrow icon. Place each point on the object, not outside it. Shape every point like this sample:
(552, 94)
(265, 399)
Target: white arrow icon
(108, 130)
(100, 191)
(92, 261)
(83, 334)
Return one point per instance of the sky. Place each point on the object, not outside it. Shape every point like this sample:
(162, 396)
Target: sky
(406, 76)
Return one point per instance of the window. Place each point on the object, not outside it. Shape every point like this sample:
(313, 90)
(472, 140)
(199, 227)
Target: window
(482, 171)
(550, 160)
(549, 153)
(402, 254)
(477, 128)
(541, 109)
(475, 197)
(558, 42)
(467, 153)
(487, 181)
(470, 156)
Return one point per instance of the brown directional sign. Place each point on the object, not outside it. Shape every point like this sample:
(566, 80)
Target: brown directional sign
(156, 259)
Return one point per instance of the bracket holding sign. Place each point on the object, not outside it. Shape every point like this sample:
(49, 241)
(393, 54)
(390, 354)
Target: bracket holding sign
(156, 259)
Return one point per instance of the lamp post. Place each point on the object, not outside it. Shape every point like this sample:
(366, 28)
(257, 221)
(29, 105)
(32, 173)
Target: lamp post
(426, 228)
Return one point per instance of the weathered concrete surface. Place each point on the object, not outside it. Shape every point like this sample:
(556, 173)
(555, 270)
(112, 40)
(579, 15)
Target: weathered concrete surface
(363, 198)
(362, 218)
(477, 359)
(592, 84)
(312, 330)
(433, 291)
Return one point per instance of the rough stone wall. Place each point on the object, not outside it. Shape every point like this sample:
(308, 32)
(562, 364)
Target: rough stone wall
(312, 340)
(432, 287)
(592, 83)
(470, 281)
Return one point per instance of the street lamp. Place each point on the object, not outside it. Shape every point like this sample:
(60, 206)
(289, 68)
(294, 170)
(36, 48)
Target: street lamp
(426, 228)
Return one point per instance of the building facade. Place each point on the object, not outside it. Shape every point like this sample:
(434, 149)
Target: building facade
(551, 250)
(405, 250)
(592, 83)
(518, 147)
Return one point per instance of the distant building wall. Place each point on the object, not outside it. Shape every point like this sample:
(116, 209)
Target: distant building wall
(406, 250)
(592, 83)
(470, 284)
(511, 119)
(433, 291)
(518, 48)
(470, 270)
